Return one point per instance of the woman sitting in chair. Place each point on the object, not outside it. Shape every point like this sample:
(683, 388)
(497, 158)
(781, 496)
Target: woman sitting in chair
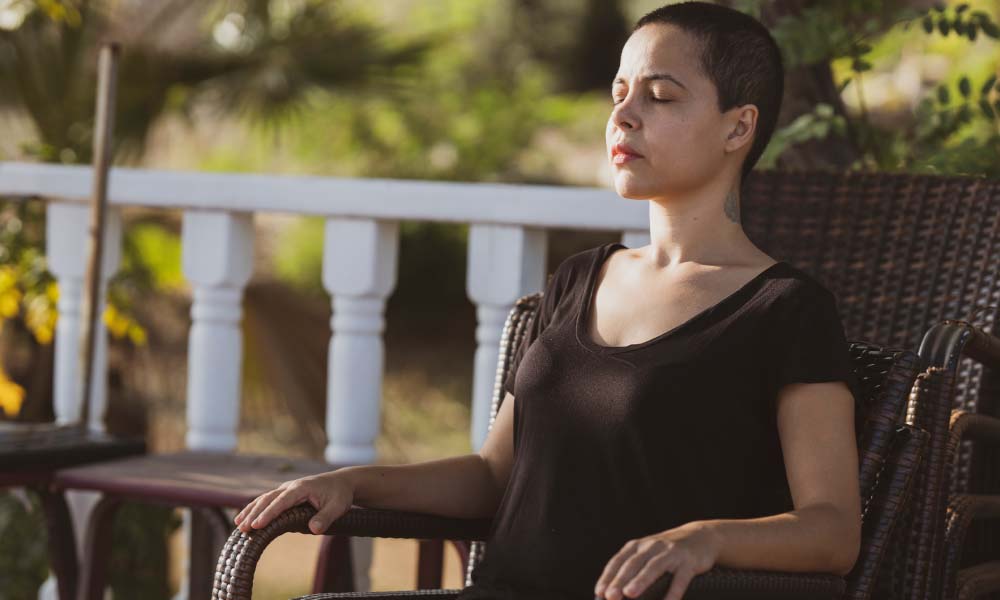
(672, 407)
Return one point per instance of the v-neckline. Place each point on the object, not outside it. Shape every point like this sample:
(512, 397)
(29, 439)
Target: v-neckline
(583, 313)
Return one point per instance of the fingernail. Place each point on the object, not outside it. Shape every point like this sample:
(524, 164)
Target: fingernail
(315, 524)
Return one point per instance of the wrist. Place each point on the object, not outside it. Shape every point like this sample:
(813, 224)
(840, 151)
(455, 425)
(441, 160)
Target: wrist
(714, 533)
(349, 477)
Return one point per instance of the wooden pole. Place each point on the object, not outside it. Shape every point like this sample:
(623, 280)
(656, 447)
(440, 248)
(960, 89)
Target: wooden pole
(103, 127)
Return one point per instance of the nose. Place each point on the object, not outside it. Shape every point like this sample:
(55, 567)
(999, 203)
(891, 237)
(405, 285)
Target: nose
(623, 114)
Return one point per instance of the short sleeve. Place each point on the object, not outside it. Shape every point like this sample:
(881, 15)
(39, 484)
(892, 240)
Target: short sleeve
(554, 289)
(814, 347)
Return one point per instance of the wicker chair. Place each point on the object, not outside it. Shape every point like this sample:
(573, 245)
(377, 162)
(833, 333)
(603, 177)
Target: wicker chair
(902, 253)
(944, 346)
(889, 452)
(908, 256)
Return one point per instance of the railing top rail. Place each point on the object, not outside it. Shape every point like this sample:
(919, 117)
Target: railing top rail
(511, 204)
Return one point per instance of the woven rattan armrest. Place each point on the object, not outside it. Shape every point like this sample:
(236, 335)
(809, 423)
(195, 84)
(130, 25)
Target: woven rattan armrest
(238, 560)
(964, 509)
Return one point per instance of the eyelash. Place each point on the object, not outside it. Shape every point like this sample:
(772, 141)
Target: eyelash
(654, 99)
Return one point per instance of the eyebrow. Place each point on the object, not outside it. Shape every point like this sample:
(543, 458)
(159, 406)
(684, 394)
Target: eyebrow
(654, 77)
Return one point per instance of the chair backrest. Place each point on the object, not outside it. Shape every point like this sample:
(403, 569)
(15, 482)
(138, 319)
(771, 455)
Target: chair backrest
(885, 377)
(901, 252)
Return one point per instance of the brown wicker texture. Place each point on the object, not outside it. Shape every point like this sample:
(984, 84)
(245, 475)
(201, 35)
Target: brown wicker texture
(889, 454)
(945, 346)
(902, 252)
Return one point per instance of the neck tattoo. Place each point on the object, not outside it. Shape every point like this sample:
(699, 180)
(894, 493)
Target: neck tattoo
(732, 205)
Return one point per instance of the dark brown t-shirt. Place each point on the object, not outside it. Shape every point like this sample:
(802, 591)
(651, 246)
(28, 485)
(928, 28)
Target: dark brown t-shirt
(616, 443)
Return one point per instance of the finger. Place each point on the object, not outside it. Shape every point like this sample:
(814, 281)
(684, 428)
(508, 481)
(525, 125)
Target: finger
(627, 571)
(283, 501)
(611, 569)
(679, 585)
(324, 516)
(246, 510)
(244, 520)
(259, 507)
(657, 565)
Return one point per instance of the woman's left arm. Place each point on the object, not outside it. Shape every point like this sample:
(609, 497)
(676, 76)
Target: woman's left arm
(822, 534)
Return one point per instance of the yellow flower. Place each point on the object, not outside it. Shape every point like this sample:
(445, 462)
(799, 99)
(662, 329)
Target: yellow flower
(10, 301)
(137, 334)
(116, 322)
(8, 278)
(11, 396)
(43, 335)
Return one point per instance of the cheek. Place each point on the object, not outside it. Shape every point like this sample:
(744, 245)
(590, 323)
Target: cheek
(685, 145)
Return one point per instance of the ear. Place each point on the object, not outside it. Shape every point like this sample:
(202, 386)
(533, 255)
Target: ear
(740, 124)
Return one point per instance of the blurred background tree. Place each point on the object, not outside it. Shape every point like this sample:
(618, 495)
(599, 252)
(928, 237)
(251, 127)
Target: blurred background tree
(461, 90)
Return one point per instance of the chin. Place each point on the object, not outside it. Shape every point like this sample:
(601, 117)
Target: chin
(628, 187)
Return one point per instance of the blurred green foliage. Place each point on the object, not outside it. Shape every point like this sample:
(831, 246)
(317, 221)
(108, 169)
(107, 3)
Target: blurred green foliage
(953, 127)
(23, 564)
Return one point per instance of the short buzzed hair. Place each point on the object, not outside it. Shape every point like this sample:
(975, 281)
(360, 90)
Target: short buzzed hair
(739, 56)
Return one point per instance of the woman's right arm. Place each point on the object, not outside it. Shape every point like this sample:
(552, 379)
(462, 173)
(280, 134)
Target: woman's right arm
(467, 486)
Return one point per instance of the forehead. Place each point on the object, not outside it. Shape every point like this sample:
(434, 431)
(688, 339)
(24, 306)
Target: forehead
(662, 48)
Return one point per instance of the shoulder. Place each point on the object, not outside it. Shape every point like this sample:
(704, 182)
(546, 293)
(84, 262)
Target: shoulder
(794, 285)
(577, 266)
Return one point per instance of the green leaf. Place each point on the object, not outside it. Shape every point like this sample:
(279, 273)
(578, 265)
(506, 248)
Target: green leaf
(987, 85)
(984, 105)
(860, 65)
(964, 86)
(961, 7)
(990, 29)
(939, 6)
(959, 27)
(843, 84)
(928, 24)
(971, 33)
(943, 95)
(944, 26)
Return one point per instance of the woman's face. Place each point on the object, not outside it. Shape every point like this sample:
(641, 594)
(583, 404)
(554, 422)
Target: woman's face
(666, 110)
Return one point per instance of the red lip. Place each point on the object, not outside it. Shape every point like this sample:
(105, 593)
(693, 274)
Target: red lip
(625, 149)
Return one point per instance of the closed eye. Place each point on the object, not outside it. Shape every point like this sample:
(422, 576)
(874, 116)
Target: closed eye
(660, 100)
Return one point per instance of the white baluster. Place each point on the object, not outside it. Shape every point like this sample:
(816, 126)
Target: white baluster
(505, 263)
(66, 241)
(634, 238)
(359, 272)
(217, 258)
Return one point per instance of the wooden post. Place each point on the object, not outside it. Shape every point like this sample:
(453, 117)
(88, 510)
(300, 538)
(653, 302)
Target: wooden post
(104, 125)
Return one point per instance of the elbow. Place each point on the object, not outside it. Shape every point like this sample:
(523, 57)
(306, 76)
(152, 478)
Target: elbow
(848, 549)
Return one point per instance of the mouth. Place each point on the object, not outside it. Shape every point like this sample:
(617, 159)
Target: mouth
(622, 153)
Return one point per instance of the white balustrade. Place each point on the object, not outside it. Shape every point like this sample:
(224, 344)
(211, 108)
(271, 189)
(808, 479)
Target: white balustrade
(66, 230)
(505, 263)
(217, 257)
(359, 271)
